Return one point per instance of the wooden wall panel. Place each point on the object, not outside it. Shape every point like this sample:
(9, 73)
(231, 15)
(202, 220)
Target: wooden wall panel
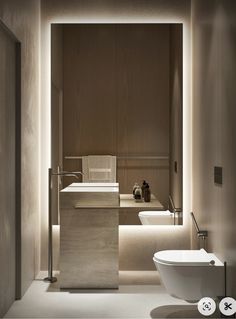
(116, 98)
(56, 111)
(89, 87)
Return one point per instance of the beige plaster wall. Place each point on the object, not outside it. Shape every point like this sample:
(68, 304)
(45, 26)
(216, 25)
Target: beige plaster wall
(7, 170)
(214, 135)
(137, 243)
(23, 19)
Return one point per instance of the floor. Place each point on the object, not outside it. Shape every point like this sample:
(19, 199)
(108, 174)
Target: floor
(140, 295)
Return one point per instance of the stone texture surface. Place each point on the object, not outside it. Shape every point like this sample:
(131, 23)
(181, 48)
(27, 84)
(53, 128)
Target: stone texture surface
(214, 134)
(23, 19)
(89, 248)
(83, 199)
(140, 295)
(7, 170)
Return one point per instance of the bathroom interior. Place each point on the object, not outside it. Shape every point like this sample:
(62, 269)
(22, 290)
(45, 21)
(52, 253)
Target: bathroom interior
(98, 97)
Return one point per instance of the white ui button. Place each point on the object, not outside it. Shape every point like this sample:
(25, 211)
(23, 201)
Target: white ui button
(206, 306)
(227, 306)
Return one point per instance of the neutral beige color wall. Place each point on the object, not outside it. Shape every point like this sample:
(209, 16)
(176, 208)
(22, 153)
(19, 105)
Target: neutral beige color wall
(7, 160)
(116, 100)
(23, 19)
(214, 135)
(137, 243)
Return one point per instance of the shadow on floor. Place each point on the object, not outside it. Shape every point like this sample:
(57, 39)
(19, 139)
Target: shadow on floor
(123, 289)
(179, 311)
(130, 282)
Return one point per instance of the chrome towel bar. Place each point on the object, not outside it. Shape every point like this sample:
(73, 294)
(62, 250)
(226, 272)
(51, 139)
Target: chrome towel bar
(125, 157)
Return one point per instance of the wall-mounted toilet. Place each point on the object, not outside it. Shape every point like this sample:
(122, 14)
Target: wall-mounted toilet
(157, 217)
(190, 274)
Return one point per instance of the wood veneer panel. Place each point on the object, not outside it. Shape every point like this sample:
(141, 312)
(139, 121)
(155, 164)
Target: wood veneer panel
(116, 99)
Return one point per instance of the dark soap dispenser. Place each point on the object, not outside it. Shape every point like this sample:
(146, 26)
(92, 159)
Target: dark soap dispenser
(147, 193)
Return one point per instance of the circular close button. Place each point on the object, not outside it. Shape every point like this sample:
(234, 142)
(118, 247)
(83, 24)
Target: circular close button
(227, 306)
(206, 306)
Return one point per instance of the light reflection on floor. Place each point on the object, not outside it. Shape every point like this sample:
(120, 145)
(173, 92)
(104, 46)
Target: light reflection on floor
(140, 295)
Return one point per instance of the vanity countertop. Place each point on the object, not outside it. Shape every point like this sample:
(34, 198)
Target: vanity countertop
(127, 201)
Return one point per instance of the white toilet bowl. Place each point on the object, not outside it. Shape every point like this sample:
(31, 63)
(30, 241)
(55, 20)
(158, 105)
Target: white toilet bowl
(156, 217)
(190, 274)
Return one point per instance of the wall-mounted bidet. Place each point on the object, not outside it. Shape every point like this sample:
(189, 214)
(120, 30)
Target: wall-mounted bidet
(156, 217)
(190, 274)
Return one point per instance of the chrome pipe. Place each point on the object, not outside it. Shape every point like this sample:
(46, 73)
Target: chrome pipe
(50, 277)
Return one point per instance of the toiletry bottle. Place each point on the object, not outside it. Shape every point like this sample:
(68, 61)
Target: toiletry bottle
(138, 194)
(143, 187)
(147, 194)
(136, 185)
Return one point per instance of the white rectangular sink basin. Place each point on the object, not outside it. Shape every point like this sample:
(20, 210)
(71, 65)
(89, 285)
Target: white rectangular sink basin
(92, 187)
(94, 184)
(90, 195)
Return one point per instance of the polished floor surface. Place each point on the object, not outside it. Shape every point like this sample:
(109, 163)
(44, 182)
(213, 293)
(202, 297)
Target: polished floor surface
(140, 295)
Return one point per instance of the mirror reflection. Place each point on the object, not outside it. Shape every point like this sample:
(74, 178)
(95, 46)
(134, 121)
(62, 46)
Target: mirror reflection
(116, 106)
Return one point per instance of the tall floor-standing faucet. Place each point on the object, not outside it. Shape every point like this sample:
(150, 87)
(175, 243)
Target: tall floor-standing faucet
(50, 277)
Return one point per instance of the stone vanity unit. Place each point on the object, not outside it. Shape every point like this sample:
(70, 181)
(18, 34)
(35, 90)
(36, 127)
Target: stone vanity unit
(89, 230)
(89, 219)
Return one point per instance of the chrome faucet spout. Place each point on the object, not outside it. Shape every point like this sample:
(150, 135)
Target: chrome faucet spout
(67, 173)
(61, 174)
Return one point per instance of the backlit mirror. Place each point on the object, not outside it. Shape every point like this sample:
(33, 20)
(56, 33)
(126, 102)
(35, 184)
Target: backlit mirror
(116, 89)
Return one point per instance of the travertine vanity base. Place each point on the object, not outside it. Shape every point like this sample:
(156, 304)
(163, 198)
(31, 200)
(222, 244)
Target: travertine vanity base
(89, 242)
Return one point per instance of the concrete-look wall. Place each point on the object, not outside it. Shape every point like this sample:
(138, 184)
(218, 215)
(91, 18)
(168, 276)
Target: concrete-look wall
(214, 135)
(137, 243)
(7, 170)
(23, 19)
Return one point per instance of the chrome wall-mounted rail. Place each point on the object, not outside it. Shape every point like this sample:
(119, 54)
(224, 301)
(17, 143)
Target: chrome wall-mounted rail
(202, 234)
(195, 222)
(125, 157)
